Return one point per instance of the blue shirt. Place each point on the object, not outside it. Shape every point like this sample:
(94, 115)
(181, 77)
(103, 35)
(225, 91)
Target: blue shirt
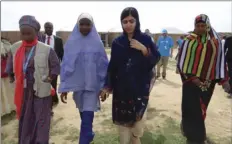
(179, 42)
(164, 45)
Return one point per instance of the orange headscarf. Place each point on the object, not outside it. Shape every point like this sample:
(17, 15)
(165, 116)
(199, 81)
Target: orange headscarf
(19, 75)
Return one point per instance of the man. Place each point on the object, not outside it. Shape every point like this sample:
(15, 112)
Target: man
(7, 89)
(179, 44)
(228, 50)
(41, 36)
(164, 45)
(55, 43)
(150, 34)
(147, 31)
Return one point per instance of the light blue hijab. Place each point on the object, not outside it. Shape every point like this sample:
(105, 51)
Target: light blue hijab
(85, 62)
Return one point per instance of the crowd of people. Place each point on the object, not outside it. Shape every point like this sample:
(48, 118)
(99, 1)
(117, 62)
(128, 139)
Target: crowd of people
(35, 62)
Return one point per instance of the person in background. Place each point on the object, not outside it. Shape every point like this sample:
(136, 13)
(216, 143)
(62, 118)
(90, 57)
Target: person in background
(201, 65)
(133, 56)
(147, 31)
(40, 35)
(228, 50)
(7, 89)
(83, 72)
(34, 65)
(179, 44)
(56, 44)
(164, 45)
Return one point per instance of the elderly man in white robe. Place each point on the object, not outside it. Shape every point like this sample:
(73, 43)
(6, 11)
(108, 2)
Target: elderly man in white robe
(7, 88)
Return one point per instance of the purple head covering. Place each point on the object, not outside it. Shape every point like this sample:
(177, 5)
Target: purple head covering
(30, 21)
(84, 62)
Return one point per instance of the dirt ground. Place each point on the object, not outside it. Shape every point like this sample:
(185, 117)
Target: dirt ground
(165, 99)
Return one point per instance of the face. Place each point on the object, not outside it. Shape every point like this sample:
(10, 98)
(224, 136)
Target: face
(85, 26)
(164, 34)
(27, 33)
(128, 24)
(48, 28)
(200, 28)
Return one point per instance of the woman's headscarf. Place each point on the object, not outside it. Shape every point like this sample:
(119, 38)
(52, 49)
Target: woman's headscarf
(76, 41)
(195, 52)
(75, 48)
(30, 21)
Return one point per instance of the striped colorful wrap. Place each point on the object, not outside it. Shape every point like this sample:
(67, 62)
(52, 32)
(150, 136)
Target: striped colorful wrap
(203, 56)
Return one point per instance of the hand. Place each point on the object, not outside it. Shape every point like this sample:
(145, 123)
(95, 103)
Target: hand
(47, 79)
(63, 97)
(197, 82)
(104, 94)
(226, 87)
(137, 45)
(12, 79)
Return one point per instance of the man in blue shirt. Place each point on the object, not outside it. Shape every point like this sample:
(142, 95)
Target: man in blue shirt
(164, 45)
(180, 41)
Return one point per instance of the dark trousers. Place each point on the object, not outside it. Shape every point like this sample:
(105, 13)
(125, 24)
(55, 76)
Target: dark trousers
(86, 132)
(194, 106)
(230, 72)
(55, 98)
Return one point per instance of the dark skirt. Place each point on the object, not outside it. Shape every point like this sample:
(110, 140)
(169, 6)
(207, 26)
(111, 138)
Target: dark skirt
(230, 72)
(34, 123)
(194, 106)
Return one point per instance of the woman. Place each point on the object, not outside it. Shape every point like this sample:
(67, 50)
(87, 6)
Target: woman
(133, 56)
(7, 89)
(228, 49)
(201, 65)
(83, 72)
(34, 66)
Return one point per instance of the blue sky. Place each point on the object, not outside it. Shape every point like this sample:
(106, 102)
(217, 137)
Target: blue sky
(153, 15)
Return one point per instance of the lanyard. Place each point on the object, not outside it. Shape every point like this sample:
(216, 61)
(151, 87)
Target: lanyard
(28, 59)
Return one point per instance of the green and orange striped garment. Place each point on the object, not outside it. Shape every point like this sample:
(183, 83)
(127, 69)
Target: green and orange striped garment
(203, 56)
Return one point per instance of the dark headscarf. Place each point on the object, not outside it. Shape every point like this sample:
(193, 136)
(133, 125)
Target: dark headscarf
(30, 21)
(202, 18)
(131, 11)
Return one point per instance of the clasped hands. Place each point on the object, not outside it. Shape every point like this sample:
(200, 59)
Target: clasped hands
(205, 85)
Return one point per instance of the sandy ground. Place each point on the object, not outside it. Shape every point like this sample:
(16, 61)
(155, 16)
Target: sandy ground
(165, 99)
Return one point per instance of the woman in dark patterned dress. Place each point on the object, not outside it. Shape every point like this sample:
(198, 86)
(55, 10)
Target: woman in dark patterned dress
(201, 64)
(133, 56)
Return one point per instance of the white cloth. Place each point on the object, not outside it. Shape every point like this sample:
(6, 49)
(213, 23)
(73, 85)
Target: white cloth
(5, 47)
(223, 43)
(85, 15)
(52, 41)
(7, 96)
